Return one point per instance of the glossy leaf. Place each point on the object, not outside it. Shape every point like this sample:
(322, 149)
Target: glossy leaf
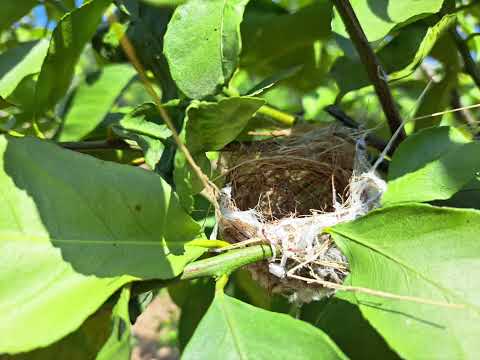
(425, 252)
(13, 11)
(433, 164)
(93, 100)
(19, 62)
(211, 126)
(71, 237)
(118, 345)
(400, 57)
(232, 329)
(378, 18)
(202, 55)
(68, 40)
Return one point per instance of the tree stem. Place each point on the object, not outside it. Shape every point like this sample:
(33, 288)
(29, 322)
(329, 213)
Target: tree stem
(277, 115)
(374, 69)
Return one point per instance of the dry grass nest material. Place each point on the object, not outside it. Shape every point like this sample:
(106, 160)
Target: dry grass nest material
(284, 191)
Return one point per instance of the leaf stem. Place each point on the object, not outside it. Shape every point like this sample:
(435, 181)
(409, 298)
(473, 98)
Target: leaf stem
(280, 116)
(375, 71)
(226, 263)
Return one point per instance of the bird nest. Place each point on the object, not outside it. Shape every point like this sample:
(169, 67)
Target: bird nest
(285, 191)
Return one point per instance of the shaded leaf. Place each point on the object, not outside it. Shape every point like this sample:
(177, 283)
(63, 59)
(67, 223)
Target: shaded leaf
(400, 57)
(93, 100)
(211, 126)
(84, 343)
(143, 126)
(19, 62)
(13, 11)
(202, 55)
(71, 34)
(194, 298)
(232, 329)
(332, 316)
(421, 251)
(68, 237)
(118, 345)
(378, 18)
(432, 164)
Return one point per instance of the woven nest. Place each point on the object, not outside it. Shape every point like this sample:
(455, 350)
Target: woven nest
(284, 191)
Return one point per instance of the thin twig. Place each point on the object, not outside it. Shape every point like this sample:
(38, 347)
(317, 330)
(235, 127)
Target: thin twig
(211, 190)
(464, 115)
(346, 120)
(375, 71)
(378, 293)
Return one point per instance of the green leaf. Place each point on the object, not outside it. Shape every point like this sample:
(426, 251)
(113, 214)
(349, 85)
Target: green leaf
(70, 237)
(211, 126)
(118, 345)
(202, 55)
(93, 100)
(143, 125)
(13, 11)
(378, 18)
(19, 62)
(164, 2)
(265, 54)
(432, 164)
(194, 298)
(68, 40)
(187, 183)
(436, 99)
(425, 252)
(400, 57)
(332, 314)
(84, 343)
(232, 329)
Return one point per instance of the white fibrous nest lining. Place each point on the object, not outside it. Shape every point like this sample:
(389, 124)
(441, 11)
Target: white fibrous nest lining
(285, 191)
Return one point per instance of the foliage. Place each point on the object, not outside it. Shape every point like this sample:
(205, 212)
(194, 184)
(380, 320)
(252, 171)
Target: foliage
(100, 203)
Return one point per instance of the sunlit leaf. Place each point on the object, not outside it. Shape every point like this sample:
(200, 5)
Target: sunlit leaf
(71, 236)
(429, 253)
(202, 55)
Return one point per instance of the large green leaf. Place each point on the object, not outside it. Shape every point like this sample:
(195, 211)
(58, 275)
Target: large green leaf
(211, 126)
(331, 315)
(83, 343)
(400, 57)
(13, 11)
(194, 298)
(432, 164)
(266, 55)
(202, 55)
(425, 252)
(232, 329)
(378, 18)
(68, 40)
(143, 126)
(73, 229)
(93, 100)
(118, 345)
(19, 62)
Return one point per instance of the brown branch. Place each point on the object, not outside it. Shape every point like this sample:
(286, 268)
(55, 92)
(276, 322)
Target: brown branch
(374, 69)
(469, 64)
